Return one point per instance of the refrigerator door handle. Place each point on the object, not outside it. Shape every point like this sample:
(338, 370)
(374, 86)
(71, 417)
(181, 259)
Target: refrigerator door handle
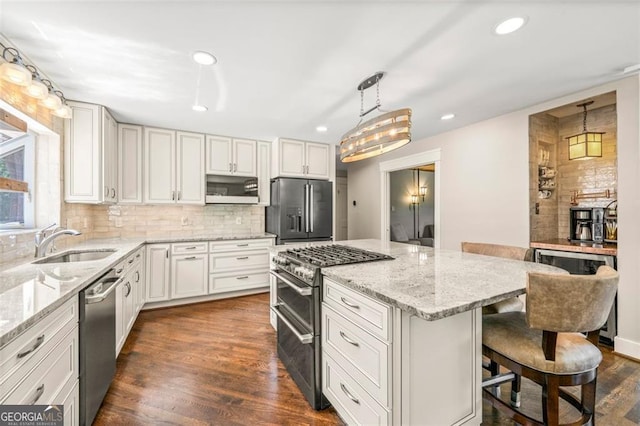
(311, 208)
(306, 208)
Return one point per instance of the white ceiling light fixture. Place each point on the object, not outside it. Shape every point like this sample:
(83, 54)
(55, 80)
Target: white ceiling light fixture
(65, 110)
(384, 133)
(14, 70)
(509, 25)
(204, 58)
(52, 100)
(447, 117)
(321, 129)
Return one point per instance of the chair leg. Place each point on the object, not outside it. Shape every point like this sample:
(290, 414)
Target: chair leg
(494, 370)
(515, 391)
(551, 401)
(589, 399)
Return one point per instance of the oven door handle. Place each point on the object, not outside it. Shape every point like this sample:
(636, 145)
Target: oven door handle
(305, 339)
(301, 291)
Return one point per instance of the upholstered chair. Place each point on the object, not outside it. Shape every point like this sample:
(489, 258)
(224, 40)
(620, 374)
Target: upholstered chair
(399, 234)
(554, 343)
(508, 252)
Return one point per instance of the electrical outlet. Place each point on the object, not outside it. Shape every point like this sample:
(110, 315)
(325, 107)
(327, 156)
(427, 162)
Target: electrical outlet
(184, 221)
(239, 220)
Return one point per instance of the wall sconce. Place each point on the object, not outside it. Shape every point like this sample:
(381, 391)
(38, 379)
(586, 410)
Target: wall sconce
(413, 201)
(586, 144)
(423, 191)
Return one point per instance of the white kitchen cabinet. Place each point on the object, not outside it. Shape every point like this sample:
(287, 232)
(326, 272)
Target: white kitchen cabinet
(157, 272)
(238, 265)
(120, 318)
(264, 173)
(90, 155)
(230, 156)
(130, 148)
(188, 275)
(174, 167)
(294, 158)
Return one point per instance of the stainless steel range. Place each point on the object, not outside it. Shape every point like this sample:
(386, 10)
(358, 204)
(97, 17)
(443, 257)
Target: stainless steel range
(299, 282)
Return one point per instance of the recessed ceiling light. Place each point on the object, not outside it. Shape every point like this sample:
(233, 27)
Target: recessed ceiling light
(199, 108)
(447, 117)
(509, 25)
(321, 129)
(204, 58)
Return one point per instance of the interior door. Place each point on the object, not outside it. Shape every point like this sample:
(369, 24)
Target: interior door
(320, 209)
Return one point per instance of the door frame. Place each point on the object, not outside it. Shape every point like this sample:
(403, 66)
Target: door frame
(402, 163)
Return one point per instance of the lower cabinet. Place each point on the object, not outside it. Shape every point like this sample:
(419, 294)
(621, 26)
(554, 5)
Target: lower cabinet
(129, 295)
(157, 272)
(235, 281)
(189, 275)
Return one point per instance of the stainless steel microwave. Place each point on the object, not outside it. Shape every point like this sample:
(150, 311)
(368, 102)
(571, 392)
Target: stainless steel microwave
(231, 190)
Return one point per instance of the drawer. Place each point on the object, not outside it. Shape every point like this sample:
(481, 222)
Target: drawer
(370, 314)
(220, 283)
(352, 403)
(239, 260)
(364, 356)
(51, 375)
(188, 248)
(229, 245)
(22, 354)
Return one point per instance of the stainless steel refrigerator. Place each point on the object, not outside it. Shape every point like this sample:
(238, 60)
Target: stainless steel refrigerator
(301, 210)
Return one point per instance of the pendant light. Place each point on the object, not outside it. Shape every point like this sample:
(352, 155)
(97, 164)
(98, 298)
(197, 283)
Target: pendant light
(586, 144)
(51, 101)
(384, 133)
(36, 89)
(14, 70)
(65, 110)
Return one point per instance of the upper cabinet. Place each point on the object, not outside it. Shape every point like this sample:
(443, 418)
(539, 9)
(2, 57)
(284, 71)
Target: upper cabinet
(293, 158)
(90, 155)
(174, 167)
(130, 150)
(264, 173)
(230, 156)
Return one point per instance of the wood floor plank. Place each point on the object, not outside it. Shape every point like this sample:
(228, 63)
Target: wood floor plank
(216, 363)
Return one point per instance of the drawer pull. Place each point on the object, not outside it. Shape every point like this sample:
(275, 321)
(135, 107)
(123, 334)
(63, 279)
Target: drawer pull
(242, 245)
(349, 304)
(137, 276)
(242, 278)
(137, 255)
(191, 248)
(242, 258)
(39, 392)
(346, 392)
(39, 341)
(190, 258)
(118, 271)
(348, 340)
(128, 286)
(130, 261)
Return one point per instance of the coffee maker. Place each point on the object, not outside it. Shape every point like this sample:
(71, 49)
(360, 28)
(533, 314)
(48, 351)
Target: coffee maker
(586, 224)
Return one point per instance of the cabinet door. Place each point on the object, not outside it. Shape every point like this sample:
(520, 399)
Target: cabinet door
(244, 157)
(109, 157)
(188, 275)
(129, 164)
(82, 155)
(129, 296)
(120, 318)
(157, 272)
(292, 158)
(317, 160)
(264, 173)
(190, 168)
(159, 166)
(219, 155)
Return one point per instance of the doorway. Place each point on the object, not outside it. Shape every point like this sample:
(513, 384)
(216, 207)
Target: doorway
(428, 159)
(411, 205)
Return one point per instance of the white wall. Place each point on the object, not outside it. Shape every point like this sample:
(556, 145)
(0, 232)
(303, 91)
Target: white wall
(485, 186)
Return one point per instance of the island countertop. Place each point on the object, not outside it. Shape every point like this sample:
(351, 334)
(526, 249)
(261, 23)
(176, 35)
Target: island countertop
(434, 283)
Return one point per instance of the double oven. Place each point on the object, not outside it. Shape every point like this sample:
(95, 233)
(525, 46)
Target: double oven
(298, 288)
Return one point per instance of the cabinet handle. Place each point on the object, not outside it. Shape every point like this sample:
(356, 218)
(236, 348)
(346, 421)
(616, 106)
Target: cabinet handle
(113, 193)
(118, 271)
(128, 286)
(346, 391)
(106, 191)
(179, 195)
(242, 258)
(39, 392)
(230, 167)
(191, 248)
(242, 278)
(349, 304)
(39, 341)
(130, 261)
(348, 340)
(235, 167)
(173, 195)
(166, 252)
(137, 255)
(242, 245)
(137, 276)
(190, 258)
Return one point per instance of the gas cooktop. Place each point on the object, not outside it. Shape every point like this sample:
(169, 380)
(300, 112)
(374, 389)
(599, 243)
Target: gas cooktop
(334, 254)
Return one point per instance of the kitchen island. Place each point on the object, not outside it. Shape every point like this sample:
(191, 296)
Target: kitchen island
(401, 339)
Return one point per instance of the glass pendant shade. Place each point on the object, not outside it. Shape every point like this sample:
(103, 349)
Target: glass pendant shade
(36, 89)
(376, 136)
(63, 112)
(15, 73)
(585, 145)
(52, 101)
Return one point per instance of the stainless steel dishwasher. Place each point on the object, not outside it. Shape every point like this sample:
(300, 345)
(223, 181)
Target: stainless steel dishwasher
(97, 343)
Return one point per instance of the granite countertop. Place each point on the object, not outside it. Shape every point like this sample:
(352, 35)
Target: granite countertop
(28, 291)
(565, 245)
(433, 283)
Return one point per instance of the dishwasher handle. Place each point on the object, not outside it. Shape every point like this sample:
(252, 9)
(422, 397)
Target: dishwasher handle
(110, 284)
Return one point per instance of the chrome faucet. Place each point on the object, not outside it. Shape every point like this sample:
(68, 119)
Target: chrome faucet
(43, 243)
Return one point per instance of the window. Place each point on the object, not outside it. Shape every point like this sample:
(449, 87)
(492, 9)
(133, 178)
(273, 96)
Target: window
(17, 162)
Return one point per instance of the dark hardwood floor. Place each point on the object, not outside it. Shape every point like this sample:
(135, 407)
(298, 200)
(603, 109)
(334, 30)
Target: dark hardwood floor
(216, 363)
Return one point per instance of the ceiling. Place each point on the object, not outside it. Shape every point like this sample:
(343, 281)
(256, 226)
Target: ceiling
(285, 67)
(572, 109)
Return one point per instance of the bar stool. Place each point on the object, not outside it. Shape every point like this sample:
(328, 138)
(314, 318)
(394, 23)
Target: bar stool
(545, 344)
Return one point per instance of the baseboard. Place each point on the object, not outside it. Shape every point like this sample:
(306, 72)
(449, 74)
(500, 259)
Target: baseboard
(626, 347)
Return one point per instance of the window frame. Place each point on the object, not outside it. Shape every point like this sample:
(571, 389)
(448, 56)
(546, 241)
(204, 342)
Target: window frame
(28, 142)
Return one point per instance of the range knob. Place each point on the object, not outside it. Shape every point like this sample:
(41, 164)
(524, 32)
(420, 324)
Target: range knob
(305, 273)
(281, 260)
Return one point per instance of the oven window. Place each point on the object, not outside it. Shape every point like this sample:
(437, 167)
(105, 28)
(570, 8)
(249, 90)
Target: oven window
(292, 303)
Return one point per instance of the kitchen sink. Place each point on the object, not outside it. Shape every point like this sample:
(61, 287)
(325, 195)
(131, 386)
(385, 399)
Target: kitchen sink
(76, 256)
